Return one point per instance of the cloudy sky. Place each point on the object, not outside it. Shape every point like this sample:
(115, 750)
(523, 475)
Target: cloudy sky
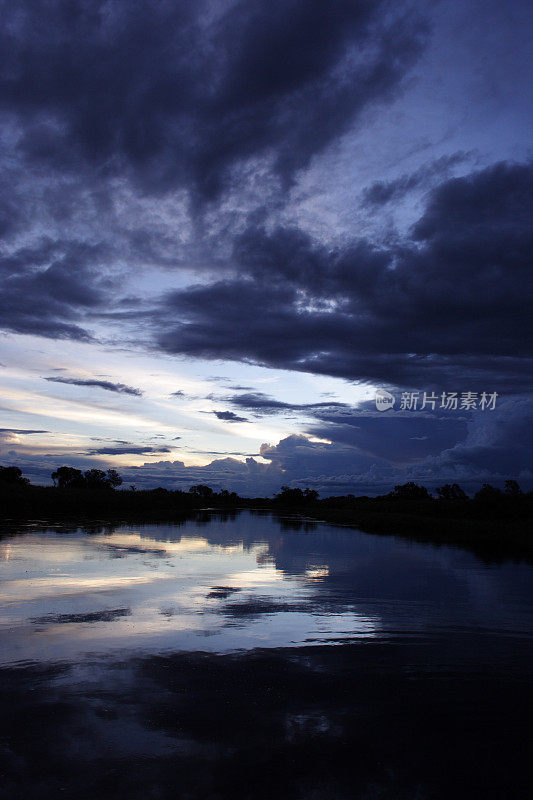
(225, 224)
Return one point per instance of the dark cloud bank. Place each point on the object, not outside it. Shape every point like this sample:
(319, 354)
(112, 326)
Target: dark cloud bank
(178, 92)
(162, 97)
(197, 97)
(446, 305)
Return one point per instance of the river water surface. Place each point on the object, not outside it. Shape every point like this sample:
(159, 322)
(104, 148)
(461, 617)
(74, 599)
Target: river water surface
(246, 656)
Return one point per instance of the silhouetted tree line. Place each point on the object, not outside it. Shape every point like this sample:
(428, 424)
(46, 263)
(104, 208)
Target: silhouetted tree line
(295, 497)
(449, 492)
(206, 493)
(92, 493)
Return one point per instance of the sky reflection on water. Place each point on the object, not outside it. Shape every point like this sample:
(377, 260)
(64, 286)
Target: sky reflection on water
(254, 657)
(238, 583)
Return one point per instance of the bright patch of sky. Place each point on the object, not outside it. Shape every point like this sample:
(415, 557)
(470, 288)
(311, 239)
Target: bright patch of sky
(80, 419)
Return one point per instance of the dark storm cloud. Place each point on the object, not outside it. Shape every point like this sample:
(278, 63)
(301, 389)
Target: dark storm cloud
(362, 435)
(298, 456)
(364, 459)
(397, 437)
(157, 97)
(449, 301)
(109, 386)
(499, 444)
(45, 289)
(229, 416)
(213, 85)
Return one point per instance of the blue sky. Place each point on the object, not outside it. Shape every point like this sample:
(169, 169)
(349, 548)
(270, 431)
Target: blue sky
(224, 225)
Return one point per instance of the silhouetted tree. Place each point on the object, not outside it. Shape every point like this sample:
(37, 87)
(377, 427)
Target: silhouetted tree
(98, 479)
(202, 491)
(512, 488)
(113, 478)
(68, 478)
(13, 475)
(487, 493)
(451, 491)
(228, 497)
(288, 496)
(410, 491)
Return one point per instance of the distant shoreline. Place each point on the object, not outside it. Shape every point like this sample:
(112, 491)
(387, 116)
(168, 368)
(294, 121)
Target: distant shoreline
(495, 540)
(495, 529)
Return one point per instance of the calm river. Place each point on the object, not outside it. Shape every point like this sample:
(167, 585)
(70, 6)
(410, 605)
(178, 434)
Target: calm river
(251, 656)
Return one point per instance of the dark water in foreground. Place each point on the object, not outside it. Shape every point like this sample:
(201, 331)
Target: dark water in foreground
(251, 657)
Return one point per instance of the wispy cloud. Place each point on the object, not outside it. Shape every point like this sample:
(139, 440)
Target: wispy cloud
(109, 386)
(20, 431)
(262, 403)
(127, 450)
